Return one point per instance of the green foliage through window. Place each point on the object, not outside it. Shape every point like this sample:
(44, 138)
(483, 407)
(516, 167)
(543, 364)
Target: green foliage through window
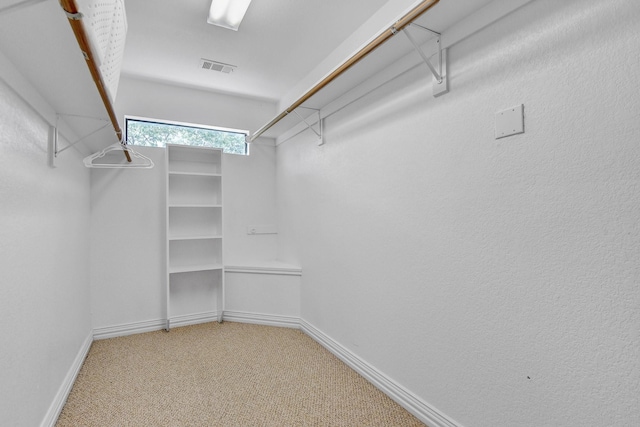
(156, 134)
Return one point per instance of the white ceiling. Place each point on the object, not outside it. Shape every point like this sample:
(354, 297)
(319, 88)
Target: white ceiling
(278, 44)
(279, 41)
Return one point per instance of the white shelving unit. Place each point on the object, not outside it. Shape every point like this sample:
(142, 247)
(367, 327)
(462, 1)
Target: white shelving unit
(194, 229)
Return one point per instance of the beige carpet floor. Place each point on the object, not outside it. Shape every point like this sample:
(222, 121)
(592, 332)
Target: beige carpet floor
(229, 374)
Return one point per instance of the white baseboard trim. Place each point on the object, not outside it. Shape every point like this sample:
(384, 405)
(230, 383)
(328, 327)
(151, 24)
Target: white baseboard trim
(262, 319)
(60, 399)
(128, 329)
(419, 408)
(194, 319)
(153, 325)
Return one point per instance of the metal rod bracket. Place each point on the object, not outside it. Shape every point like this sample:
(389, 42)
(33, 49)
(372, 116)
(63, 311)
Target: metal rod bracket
(57, 151)
(439, 69)
(437, 73)
(320, 132)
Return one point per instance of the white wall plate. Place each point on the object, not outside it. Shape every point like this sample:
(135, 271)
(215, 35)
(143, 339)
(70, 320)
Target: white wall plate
(510, 121)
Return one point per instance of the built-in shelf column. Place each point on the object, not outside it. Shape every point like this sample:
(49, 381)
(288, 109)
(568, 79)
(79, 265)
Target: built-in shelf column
(194, 234)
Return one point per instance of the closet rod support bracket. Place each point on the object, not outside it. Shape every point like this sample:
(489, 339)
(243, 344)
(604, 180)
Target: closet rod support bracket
(439, 70)
(56, 149)
(320, 132)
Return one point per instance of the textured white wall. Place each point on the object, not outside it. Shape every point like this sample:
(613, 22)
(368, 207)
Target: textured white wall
(496, 279)
(128, 243)
(44, 242)
(250, 199)
(128, 207)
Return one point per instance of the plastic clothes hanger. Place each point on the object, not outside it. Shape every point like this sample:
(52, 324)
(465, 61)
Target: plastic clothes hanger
(143, 163)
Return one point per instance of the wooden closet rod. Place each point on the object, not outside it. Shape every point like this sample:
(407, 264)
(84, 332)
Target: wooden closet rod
(71, 8)
(383, 37)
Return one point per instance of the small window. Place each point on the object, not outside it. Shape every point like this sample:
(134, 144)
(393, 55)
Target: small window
(157, 133)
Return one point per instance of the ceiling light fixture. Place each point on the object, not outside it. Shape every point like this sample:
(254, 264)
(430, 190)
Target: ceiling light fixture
(228, 13)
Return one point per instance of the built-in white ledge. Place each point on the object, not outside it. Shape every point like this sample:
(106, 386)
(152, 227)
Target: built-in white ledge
(266, 267)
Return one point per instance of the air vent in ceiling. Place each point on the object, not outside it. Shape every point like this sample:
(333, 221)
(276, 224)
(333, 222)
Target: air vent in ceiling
(207, 64)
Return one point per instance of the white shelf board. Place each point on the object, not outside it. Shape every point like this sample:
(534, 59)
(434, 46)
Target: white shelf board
(174, 172)
(266, 267)
(194, 205)
(196, 148)
(196, 237)
(193, 268)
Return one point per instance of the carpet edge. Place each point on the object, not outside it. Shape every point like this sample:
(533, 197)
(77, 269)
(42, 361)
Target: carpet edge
(409, 401)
